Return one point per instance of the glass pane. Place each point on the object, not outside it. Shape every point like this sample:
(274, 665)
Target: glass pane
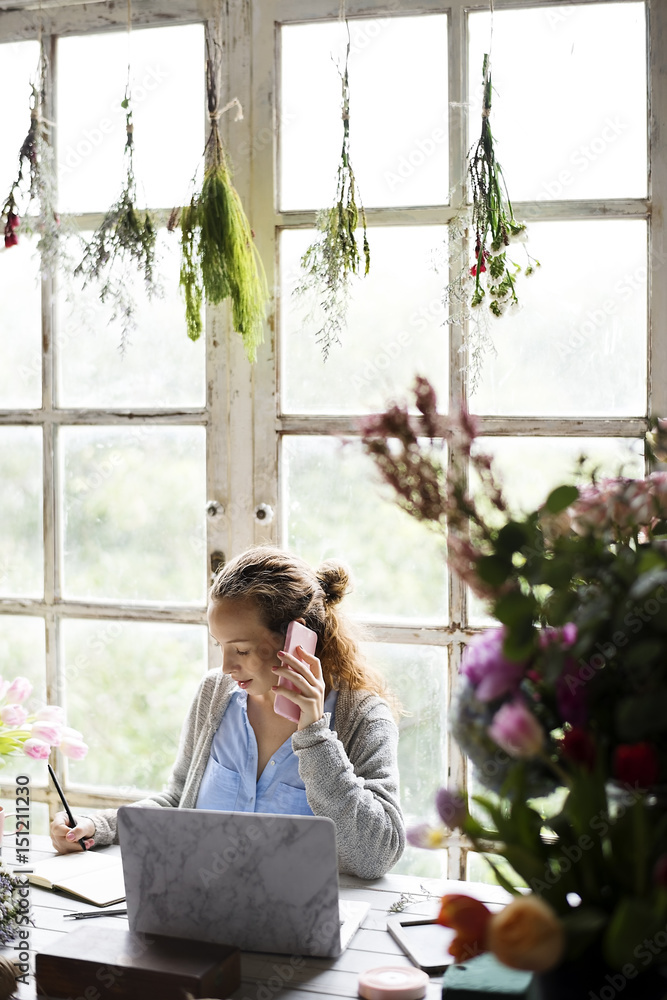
(134, 513)
(168, 106)
(129, 685)
(578, 345)
(334, 508)
(18, 68)
(20, 327)
(551, 461)
(398, 132)
(23, 654)
(39, 816)
(421, 748)
(568, 123)
(21, 544)
(395, 326)
(159, 366)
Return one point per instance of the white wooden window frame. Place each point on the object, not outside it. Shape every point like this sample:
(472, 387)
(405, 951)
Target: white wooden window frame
(242, 414)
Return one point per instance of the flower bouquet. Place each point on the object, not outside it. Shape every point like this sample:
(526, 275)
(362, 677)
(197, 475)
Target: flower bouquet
(34, 734)
(562, 709)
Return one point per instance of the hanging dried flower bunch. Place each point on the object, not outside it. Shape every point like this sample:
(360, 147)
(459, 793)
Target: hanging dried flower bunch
(493, 223)
(30, 207)
(124, 242)
(219, 259)
(334, 257)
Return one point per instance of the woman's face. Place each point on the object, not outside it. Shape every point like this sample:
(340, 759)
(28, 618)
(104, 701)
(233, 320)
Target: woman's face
(249, 649)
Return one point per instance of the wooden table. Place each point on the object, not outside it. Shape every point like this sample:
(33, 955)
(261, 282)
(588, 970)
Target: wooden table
(274, 977)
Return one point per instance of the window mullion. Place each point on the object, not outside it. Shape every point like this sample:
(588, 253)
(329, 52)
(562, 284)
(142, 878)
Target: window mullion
(657, 353)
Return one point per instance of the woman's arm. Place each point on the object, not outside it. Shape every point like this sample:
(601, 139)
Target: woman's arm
(357, 789)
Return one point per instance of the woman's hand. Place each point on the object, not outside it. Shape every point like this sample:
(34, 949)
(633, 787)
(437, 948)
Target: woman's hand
(64, 838)
(306, 675)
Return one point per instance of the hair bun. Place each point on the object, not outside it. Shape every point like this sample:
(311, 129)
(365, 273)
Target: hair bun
(334, 580)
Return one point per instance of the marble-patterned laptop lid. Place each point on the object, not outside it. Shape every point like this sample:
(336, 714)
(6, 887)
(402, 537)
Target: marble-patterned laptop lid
(258, 881)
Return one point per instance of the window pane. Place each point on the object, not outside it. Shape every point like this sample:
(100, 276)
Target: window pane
(417, 676)
(23, 654)
(134, 513)
(335, 509)
(551, 461)
(578, 345)
(129, 685)
(160, 366)
(21, 546)
(398, 111)
(168, 106)
(569, 124)
(395, 326)
(18, 68)
(20, 327)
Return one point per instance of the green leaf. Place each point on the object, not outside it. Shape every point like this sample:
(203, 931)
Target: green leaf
(515, 609)
(125, 103)
(648, 582)
(561, 498)
(511, 538)
(494, 570)
(633, 921)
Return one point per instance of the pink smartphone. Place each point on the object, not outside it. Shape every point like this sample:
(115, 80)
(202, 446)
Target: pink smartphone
(297, 635)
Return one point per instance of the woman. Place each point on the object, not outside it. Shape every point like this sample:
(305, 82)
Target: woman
(236, 753)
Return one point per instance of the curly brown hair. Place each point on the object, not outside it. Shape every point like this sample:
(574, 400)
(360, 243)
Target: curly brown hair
(285, 588)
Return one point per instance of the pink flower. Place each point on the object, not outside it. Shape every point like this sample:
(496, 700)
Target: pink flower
(486, 667)
(13, 715)
(18, 690)
(75, 749)
(47, 731)
(516, 730)
(51, 713)
(37, 749)
(67, 733)
(428, 837)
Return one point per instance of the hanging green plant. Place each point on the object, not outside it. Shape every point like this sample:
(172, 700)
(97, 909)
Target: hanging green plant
(493, 223)
(219, 259)
(30, 206)
(124, 242)
(334, 257)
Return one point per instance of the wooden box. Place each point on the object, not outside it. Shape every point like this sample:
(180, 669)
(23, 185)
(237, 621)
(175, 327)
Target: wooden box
(96, 963)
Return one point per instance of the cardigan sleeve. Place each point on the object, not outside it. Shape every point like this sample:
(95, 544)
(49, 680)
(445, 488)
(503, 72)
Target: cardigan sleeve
(357, 789)
(106, 821)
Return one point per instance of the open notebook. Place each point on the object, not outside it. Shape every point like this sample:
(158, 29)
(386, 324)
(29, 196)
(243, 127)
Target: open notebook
(96, 877)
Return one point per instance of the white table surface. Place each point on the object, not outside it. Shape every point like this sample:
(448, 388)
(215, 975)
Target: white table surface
(269, 977)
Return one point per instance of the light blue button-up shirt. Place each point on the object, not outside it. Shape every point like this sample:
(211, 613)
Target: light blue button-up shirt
(230, 780)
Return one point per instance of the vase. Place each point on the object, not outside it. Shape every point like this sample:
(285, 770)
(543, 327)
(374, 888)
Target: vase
(590, 978)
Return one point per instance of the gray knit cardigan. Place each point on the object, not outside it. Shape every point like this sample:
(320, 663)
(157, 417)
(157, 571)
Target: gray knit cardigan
(350, 775)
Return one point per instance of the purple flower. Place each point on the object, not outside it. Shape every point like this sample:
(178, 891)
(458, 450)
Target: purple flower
(571, 695)
(451, 808)
(516, 730)
(486, 667)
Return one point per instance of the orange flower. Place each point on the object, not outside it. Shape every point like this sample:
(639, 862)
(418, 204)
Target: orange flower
(527, 935)
(470, 919)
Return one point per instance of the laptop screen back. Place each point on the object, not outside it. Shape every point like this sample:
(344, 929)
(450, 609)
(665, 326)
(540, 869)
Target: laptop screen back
(257, 881)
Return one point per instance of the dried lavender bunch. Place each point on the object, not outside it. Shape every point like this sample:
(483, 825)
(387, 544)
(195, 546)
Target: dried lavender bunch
(493, 222)
(9, 904)
(124, 243)
(332, 259)
(30, 206)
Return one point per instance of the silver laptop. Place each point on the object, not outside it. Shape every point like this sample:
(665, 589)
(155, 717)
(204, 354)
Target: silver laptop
(259, 881)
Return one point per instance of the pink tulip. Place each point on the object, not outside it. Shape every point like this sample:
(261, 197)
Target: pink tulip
(51, 713)
(67, 733)
(75, 749)
(18, 690)
(37, 749)
(516, 730)
(47, 731)
(13, 715)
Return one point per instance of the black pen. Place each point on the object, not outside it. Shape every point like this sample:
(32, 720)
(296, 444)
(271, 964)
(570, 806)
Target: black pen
(95, 913)
(72, 821)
